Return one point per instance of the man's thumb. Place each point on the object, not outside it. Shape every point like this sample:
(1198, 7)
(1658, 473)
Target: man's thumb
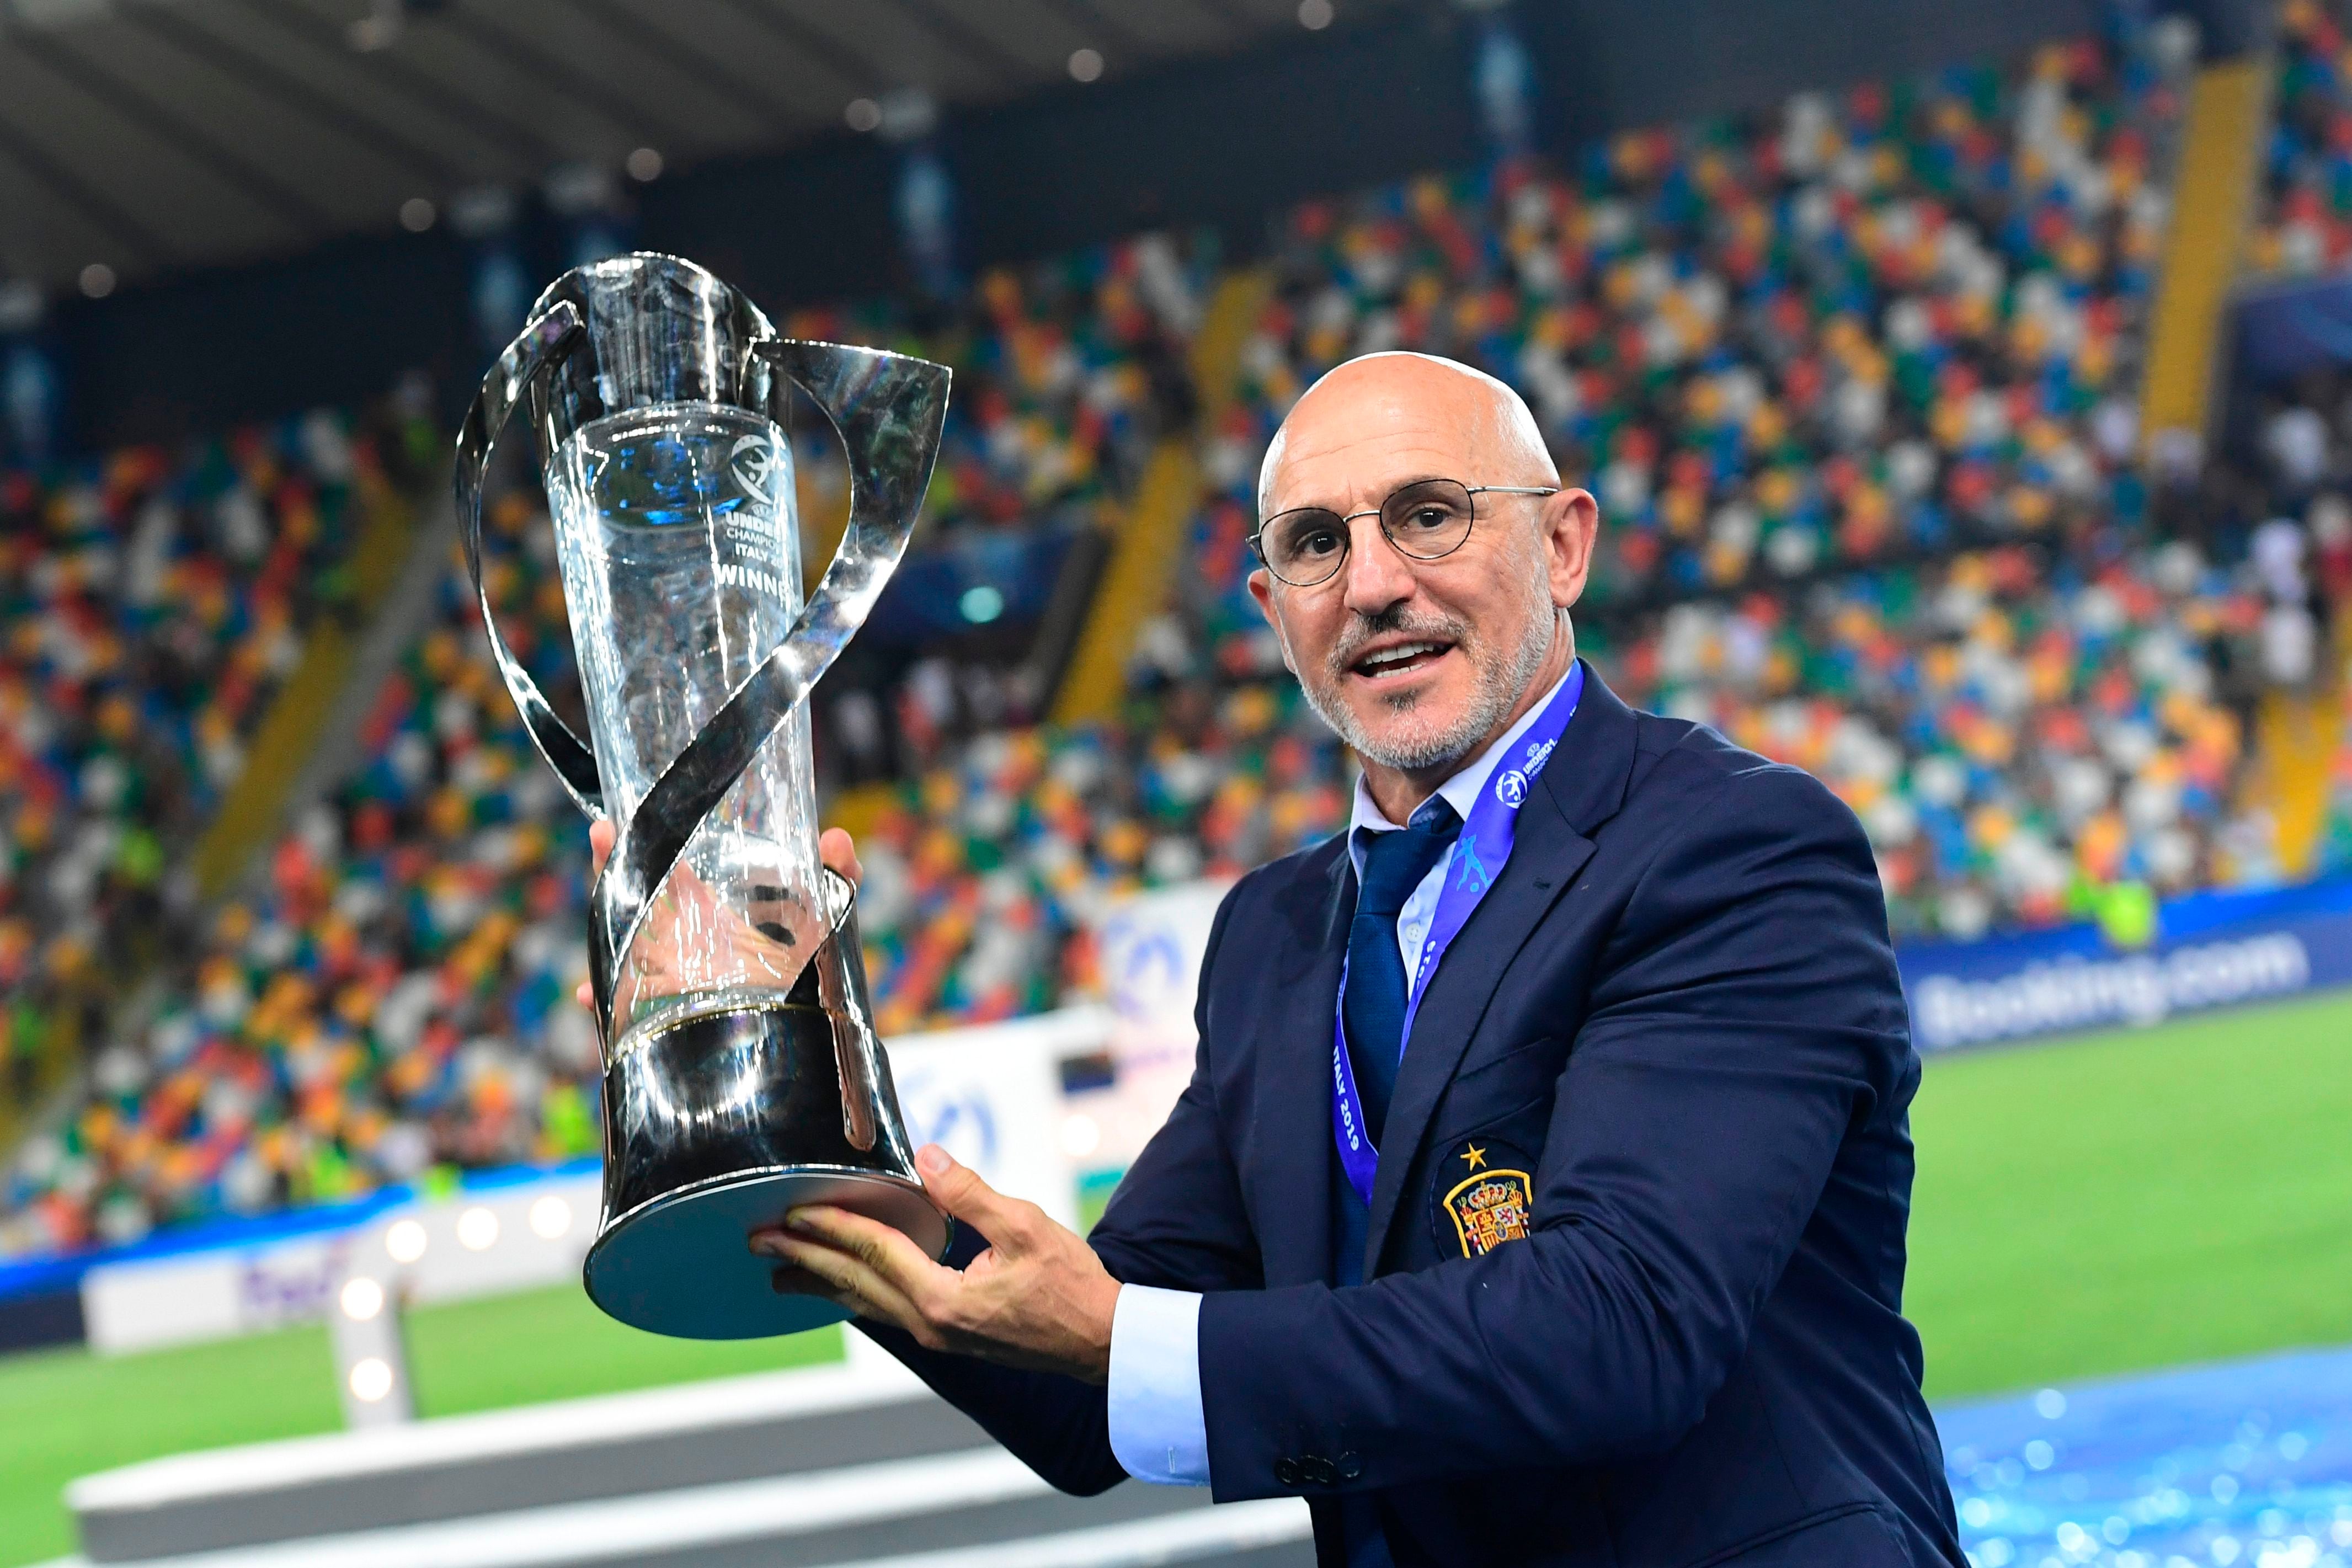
(958, 1188)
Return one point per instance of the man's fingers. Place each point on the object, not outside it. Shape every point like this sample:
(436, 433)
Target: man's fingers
(602, 837)
(835, 847)
(841, 1276)
(889, 1252)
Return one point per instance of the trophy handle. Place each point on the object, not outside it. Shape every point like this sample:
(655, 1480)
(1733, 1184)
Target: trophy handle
(841, 992)
(541, 341)
(891, 410)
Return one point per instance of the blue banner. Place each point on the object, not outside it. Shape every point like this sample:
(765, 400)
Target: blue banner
(46, 1273)
(2210, 950)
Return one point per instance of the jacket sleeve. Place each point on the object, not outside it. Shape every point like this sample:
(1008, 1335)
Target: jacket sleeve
(1744, 1013)
(1176, 1222)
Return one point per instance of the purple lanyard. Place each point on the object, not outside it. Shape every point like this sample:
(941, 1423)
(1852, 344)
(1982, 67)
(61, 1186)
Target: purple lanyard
(1477, 858)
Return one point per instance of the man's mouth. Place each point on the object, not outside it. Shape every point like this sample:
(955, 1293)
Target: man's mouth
(1400, 660)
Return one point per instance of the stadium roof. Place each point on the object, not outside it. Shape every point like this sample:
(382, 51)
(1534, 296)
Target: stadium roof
(138, 136)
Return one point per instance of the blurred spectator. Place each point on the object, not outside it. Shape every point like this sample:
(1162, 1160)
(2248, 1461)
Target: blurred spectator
(397, 991)
(1065, 370)
(1863, 328)
(2016, 731)
(153, 601)
(2305, 224)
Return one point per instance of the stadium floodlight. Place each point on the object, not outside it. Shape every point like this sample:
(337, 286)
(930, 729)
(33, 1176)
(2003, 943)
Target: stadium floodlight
(361, 1299)
(482, 211)
(903, 114)
(21, 305)
(98, 281)
(371, 1354)
(370, 1379)
(478, 1229)
(379, 29)
(1315, 14)
(551, 1218)
(578, 188)
(1086, 65)
(404, 1241)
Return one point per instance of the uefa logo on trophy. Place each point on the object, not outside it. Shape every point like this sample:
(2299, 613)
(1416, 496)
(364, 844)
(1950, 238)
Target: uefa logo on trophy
(742, 1075)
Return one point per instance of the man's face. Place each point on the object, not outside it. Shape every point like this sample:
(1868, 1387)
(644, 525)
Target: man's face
(1415, 662)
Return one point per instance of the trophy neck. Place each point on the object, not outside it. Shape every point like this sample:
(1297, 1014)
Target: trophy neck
(657, 330)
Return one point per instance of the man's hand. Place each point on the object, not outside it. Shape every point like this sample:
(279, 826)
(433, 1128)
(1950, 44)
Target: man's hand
(1038, 1297)
(687, 921)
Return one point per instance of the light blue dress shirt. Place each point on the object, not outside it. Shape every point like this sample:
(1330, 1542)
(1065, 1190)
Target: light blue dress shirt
(1158, 1430)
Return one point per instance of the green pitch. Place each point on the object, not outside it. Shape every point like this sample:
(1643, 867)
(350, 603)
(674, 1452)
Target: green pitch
(2135, 1200)
(2132, 1200)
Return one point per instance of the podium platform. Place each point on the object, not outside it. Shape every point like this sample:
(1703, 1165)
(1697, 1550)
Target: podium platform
(857, 1466)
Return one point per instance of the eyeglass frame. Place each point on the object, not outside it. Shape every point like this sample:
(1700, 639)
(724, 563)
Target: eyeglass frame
(1348, 534)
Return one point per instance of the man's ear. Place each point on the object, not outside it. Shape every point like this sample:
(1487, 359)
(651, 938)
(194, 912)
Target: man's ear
(1569, 526)
(1261, 587)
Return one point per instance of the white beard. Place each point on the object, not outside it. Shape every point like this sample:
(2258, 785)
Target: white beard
(1501, 678)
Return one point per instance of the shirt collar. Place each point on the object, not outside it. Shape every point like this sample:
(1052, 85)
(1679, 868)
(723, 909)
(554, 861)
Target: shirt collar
(1460, 791)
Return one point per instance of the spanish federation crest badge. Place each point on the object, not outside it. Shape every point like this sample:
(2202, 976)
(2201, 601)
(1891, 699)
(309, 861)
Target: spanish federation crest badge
(1489, 1209)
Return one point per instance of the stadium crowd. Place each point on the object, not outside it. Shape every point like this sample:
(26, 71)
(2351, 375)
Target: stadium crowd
(1888, 324)
(1853, 381)
(153, 602)
(1066, 370)
(2285, 490)
(2305, 226)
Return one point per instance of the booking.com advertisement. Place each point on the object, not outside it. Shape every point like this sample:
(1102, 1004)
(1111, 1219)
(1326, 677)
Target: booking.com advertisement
(2207, 950)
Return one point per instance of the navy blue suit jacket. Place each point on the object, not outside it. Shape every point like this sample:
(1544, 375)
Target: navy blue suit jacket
(1674, 1025)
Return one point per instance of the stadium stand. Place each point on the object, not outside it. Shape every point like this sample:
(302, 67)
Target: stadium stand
(2020, 733)
(1864, 327)
(240, 1094)
(1068, 372)
(155, 600)
(1876, 353)
(2306, 225)
(1853, 380)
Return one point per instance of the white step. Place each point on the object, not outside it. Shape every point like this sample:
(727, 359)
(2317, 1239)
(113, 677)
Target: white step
(981, 1507)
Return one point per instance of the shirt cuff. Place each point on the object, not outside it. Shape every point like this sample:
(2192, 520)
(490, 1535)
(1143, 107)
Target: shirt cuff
(1158, 1429)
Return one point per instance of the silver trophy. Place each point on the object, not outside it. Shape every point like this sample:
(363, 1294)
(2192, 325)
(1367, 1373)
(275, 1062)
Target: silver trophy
(742, 1075)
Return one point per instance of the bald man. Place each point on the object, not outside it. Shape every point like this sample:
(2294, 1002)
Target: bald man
(1539, 1197)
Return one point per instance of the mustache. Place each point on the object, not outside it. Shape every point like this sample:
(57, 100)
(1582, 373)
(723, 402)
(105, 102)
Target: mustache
(1361, 629)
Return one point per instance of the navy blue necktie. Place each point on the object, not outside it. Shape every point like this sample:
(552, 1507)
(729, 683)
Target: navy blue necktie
(1394, 865)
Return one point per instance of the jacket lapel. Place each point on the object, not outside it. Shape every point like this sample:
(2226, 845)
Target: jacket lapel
(1583, 787)
(1294, 1101)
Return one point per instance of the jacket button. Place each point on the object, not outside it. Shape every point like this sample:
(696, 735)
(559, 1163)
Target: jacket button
(1285, 1471)
(1350, 1467)
(1318, 1470)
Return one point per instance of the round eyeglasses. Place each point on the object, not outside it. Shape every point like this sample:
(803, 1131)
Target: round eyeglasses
(1426, 520)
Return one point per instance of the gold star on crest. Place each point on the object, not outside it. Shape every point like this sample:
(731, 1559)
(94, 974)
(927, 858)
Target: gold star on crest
(1475, 1156)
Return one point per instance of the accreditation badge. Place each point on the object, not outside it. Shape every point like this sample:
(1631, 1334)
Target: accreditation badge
(1488, 1202)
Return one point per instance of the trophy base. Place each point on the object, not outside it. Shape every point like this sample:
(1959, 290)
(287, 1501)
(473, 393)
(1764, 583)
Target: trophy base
(715, 1128)
(679, 1266)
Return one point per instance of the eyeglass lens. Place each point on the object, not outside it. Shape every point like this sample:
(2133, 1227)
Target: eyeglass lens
(1425, 519)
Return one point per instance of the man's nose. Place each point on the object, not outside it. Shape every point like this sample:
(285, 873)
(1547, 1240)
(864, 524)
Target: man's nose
(1377, 576)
